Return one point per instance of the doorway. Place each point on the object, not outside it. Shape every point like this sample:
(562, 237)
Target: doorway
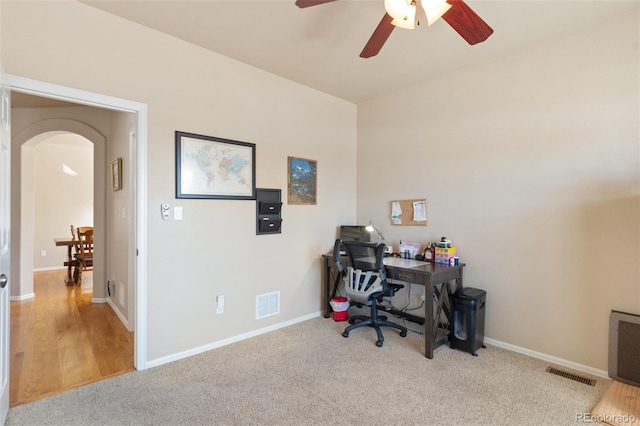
(57, 191)
(60, 338)
(136, 252)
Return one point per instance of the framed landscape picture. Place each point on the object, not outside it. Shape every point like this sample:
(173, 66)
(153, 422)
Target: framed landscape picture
(302, 179)
(214, 168)
(116, 174)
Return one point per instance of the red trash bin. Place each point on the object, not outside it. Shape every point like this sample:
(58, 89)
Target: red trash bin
(340, 306)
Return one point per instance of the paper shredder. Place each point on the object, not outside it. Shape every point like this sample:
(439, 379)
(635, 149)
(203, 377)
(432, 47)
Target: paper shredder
(468, 306)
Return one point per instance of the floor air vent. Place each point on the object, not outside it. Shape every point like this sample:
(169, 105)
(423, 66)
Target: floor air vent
(571, 376)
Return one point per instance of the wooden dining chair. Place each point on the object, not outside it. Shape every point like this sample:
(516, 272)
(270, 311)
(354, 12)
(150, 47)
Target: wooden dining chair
(84, 250)
(84, 229)
(73, 258)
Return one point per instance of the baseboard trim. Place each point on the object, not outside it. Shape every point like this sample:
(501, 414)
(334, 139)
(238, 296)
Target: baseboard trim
(49, 268)
(22, 297)
(539, 355)
(230, 340)
(118, 314)
(497, 343)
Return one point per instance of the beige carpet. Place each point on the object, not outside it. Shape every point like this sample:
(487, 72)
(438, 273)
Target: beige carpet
(308, 374)
(619, 406)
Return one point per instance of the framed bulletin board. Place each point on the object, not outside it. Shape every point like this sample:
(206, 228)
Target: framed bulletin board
(408, 212)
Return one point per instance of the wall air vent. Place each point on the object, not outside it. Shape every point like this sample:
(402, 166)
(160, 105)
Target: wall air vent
(267, 304)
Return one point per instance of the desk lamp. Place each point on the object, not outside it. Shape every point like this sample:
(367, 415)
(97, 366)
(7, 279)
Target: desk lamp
(371, 227)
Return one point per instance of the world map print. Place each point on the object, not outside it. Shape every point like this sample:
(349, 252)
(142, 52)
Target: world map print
(216, 168)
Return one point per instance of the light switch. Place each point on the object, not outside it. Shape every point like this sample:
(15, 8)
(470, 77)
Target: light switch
(177, 213)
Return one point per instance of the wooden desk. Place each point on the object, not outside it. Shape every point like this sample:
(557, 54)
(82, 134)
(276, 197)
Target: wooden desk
(70, 279)
(434, 277)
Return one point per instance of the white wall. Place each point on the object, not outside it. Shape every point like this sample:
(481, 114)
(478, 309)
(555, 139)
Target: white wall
(22, 283)
(60, 199)
(119, 216)
(530, 165)
(214, 250)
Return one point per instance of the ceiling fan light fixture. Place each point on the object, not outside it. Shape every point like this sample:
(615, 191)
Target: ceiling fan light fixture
(408, 22)
(403, 12)
(434, 9)
(402, 23)
(406, 14)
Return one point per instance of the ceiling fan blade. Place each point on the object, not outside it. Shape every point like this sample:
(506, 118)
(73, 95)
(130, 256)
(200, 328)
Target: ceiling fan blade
(379, 37)
(306, 3)
(466, 22)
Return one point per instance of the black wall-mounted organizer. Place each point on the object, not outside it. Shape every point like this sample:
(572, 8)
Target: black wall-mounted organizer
(268, 211)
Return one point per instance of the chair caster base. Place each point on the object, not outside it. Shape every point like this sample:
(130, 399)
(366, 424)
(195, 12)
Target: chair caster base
(379, 343)
(403, 333)
(345, 334)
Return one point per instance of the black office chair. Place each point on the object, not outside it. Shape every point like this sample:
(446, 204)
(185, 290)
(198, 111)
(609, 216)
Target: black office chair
(342, 272)
(367, 285)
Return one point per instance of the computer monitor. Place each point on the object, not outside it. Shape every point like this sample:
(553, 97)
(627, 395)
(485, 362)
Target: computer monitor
(354, 233)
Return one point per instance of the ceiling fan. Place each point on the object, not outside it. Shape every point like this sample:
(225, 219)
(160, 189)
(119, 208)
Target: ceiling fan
(406, 14)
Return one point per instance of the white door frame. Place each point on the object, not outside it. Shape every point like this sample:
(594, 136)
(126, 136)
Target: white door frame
(5, 245)
(48, 90)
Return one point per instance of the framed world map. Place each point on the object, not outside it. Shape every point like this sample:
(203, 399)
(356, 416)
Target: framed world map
(214, 168)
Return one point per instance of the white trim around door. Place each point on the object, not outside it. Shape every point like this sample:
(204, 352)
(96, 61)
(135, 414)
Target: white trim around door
(48, 90)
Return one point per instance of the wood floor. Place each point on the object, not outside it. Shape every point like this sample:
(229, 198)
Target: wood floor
(60, 340)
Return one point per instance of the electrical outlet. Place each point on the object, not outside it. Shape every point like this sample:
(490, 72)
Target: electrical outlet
(43, 253)
(220, 304)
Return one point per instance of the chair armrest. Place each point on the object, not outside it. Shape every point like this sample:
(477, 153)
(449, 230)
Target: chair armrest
(393, 288)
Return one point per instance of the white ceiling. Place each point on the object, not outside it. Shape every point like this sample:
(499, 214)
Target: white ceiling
(319, 46)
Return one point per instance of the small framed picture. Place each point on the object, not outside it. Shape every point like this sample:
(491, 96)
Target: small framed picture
(116, 174)
(302, 181)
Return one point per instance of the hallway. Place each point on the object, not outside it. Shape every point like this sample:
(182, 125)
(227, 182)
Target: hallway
(60, 340)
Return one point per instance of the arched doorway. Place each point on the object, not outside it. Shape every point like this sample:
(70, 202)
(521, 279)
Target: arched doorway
(30, 136)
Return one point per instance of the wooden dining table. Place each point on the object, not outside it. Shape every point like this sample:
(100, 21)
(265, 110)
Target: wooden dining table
(71, 263)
